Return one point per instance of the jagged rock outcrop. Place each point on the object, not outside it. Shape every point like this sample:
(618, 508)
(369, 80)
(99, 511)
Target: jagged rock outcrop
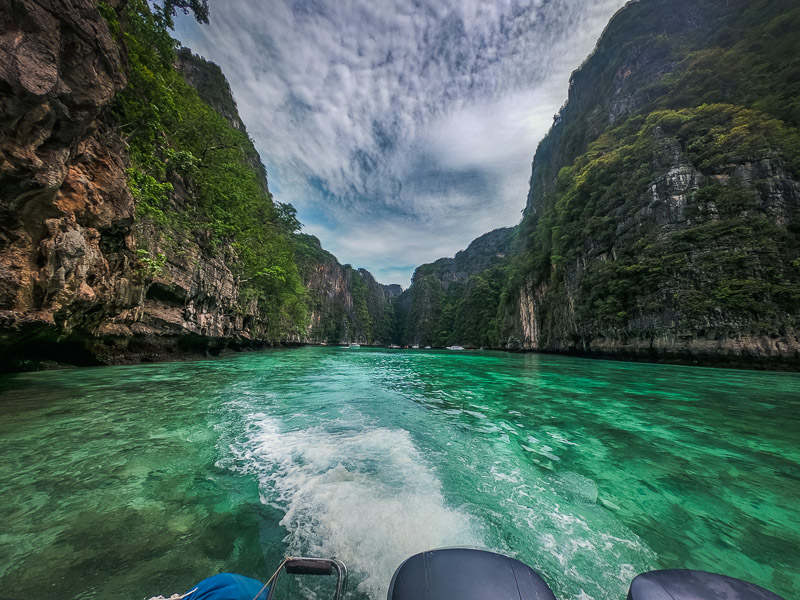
(212, 86)
(74, 288)
(65, 210)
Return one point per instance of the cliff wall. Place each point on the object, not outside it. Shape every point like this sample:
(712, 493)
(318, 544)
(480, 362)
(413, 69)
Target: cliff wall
(85, 278)
(125, 234)
(453, 300)
(346, 305)
(67, 255)
(662, 220)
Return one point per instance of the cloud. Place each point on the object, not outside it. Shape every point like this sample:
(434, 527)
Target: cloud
(400, 129)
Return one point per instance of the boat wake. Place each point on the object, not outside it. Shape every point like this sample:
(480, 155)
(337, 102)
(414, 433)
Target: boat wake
(364, 495)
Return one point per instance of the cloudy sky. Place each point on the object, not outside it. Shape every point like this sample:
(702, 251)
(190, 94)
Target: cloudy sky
(400, 129)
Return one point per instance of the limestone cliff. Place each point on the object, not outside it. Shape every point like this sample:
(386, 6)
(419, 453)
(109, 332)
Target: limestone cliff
(483, 253)
(676, 299)
(212, 86)
(347, 305)
(663, 218)
(76, 284)
(67, 258)
(105, 258)
(448, 300)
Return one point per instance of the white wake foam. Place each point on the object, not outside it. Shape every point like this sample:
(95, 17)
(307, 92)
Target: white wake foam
(366, 496)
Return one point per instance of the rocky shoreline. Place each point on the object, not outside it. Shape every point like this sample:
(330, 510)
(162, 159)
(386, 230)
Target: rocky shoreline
(39, 355)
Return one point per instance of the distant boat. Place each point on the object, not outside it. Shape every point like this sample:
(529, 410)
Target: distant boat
(455, 347)
(415, 346)
(427, 347)
(394, 346)
(354, 346)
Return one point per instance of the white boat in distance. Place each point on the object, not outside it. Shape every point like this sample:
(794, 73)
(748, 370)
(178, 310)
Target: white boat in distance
(354, 346)
(455, 347)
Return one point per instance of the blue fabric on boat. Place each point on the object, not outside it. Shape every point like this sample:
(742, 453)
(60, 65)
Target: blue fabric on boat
(228, 586)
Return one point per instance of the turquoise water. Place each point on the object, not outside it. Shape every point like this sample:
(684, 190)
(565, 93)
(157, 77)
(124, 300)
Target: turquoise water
(133, 481)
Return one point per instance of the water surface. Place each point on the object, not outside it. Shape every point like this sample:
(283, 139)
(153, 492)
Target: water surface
(133, 481)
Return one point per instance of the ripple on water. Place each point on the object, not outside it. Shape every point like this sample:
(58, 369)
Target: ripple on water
(148, 478)
(556, 523)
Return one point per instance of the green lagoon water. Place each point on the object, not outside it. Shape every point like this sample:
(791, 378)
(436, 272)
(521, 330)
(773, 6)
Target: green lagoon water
(128, 482)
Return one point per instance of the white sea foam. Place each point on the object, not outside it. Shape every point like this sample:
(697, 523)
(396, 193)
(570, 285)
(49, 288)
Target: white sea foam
(364, 495)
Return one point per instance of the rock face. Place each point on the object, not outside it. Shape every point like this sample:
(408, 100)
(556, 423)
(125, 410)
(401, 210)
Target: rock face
(209, 81)
(74, 288)
(663, 325)
(483, 253)
(634, 53)
(66, 257)
(699, 266)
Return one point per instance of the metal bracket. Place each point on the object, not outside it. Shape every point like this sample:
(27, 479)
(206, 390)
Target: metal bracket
(313, 566)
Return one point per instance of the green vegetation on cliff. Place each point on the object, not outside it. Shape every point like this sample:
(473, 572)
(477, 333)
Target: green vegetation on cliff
(738, 259)
(454, 300)
(664, 202)
(345, 304)
(464, 313)
(718, 141)
(194, 175)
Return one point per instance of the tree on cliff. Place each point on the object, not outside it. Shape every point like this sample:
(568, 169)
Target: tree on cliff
(198, 7)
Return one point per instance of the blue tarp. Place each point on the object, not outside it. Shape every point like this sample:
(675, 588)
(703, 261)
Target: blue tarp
(228, 586)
